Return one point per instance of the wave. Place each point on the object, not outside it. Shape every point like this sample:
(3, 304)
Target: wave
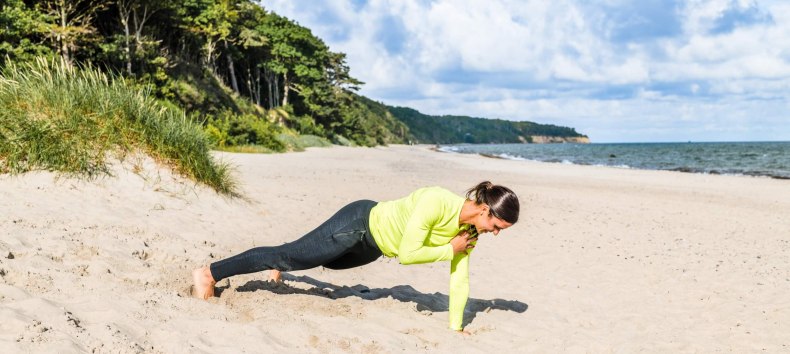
(769, 159)
(618, 163)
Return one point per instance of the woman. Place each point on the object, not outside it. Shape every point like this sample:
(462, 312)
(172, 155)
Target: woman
(429, 225)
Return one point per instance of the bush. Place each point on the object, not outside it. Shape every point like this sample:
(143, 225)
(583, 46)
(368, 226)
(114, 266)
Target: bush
(306, 125)
(229, 130)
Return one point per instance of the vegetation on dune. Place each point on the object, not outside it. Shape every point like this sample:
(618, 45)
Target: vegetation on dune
(54, 116)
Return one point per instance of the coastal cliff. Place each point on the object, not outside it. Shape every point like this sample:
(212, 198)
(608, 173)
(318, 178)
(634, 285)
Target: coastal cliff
(543, 139)
(428, 129)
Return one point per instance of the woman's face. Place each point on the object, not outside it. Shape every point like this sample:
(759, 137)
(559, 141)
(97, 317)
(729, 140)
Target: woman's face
(489, 223)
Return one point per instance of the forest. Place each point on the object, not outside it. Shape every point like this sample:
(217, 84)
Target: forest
(251, 78)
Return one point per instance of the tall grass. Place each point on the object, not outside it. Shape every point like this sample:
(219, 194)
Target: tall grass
(62, 118)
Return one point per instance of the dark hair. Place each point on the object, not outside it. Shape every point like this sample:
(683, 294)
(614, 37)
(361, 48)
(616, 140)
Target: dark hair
(503, 203)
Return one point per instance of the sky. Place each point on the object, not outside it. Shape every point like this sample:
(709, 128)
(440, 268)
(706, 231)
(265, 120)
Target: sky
(615, 70)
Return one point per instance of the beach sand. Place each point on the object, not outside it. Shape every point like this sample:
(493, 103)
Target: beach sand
(602, 260)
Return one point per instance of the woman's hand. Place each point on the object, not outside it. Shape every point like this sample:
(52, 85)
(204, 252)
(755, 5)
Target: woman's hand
(463, 242)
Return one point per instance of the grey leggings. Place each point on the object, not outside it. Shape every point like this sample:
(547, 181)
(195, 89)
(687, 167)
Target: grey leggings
(344, 241)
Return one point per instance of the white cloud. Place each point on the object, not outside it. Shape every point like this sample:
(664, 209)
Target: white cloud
(556, 62)
(633, 70)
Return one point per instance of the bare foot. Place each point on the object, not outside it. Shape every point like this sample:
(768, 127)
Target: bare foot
(275, 276)
(203, 287)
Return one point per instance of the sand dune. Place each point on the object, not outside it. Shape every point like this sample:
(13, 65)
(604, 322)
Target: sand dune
(603, 260)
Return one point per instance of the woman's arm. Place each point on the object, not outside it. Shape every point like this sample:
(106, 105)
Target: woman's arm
(459, 289)
(412, 249)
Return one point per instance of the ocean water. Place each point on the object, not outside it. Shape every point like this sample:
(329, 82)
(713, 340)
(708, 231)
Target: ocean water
(769, 159)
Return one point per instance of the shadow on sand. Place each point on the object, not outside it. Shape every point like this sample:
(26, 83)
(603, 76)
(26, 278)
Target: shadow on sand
(436, 302)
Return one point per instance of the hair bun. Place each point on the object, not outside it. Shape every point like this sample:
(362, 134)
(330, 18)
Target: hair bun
(502, 201)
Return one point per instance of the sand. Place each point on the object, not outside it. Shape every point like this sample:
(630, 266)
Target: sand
(603, 260)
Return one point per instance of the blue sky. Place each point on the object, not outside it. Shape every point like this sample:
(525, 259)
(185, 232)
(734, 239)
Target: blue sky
(616, 70)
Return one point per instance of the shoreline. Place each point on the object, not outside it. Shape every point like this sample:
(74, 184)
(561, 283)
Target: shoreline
(603, 259)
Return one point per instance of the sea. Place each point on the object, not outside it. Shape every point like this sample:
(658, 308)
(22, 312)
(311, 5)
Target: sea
(763, 159)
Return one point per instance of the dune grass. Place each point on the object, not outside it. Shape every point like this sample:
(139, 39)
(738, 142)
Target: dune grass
(71, 120)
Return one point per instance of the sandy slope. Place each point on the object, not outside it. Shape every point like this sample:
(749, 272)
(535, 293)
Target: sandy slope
(603, 260)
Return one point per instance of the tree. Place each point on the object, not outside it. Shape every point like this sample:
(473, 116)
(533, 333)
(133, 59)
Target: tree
(338, 73)
(212, 22)
(72, 23)
(253, 50)
(22, 32)
(125, 12)
(133, 15)
(295, 52)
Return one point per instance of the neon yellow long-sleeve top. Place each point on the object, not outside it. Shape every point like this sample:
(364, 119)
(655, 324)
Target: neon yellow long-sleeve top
(418, 229)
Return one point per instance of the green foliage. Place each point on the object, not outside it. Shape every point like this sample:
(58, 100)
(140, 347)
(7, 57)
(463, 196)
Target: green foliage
(210, 21)
(57, 117)
(22, 32)
(71, 27)
(306, 125)
(156, 76)
(229, 129)
(368, 123)
(293, 47)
